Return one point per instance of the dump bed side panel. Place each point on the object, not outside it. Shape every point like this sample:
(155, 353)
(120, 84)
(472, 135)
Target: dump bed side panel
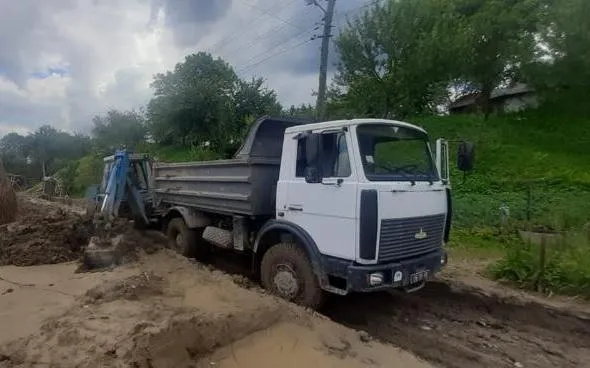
(240, 186)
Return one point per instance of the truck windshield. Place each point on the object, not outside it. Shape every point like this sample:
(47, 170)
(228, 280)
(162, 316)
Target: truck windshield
(395, 153)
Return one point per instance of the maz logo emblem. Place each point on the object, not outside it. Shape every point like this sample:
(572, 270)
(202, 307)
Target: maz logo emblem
(420, 235)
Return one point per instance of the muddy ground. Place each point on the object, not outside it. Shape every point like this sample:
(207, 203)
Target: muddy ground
(161, 310)
(43, 234)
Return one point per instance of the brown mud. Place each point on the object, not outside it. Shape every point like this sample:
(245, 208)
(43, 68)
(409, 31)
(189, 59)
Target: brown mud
(174, 313)
(43, 234)
(162, 310)
(459, 326)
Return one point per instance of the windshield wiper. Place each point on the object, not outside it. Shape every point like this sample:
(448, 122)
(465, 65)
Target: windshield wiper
(406, 176)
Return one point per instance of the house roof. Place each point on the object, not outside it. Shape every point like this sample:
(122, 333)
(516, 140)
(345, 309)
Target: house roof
(471, 98)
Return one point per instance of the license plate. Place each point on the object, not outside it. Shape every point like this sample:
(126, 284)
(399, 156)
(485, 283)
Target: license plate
(418, 277)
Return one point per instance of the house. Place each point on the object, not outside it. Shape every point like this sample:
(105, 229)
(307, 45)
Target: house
(502, 100)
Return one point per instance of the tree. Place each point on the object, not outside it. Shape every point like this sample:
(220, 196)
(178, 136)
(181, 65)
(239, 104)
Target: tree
(43, 152)
(118, 129)
(495, 39)
(561, 72)
(193, 102)
(14, 149)
(51, 149)
(301, 111)
(401, 58)
(203, 100)
(395, 58)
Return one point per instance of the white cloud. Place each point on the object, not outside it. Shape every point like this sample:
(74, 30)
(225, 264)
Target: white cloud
(63, 61)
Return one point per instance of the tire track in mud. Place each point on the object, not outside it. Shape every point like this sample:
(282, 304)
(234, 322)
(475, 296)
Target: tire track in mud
(459, 327)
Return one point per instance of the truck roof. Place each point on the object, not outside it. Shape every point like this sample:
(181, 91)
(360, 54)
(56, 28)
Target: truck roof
(339, 123)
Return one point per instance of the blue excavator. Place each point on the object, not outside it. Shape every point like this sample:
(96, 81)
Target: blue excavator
(123, 193)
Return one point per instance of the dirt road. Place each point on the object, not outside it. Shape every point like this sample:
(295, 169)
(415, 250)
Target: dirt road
(165, 311)
(456, 326)
(161, 310)
(156, 310)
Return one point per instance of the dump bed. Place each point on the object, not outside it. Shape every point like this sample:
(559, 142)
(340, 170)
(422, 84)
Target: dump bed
(244, 185)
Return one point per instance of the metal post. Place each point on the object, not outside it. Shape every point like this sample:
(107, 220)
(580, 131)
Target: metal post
(327, 34)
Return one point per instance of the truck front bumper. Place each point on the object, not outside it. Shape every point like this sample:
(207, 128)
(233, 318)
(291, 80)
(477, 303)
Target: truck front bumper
(409, 273)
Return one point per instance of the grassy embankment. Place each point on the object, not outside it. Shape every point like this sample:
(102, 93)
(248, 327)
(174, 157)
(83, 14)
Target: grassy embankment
(538, 166)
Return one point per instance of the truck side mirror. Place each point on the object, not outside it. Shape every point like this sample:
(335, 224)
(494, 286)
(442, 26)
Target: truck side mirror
(466, 156)
(442, 160)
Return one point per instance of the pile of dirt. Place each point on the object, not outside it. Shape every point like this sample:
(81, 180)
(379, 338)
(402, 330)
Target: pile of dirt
(120, 249)
(171, 312)
(43, 234)
(8, 203)
(49, 233)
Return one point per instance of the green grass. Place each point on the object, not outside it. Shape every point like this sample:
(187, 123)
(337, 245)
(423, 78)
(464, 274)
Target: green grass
(540, 152)
(566, 269)
(548, 154)
(178, 153)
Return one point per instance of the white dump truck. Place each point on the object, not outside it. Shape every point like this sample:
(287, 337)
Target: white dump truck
(332, 207)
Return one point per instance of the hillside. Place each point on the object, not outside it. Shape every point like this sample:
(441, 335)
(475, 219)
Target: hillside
(548, 154)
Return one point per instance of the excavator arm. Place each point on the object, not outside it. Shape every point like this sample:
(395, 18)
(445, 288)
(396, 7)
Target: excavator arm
(121, 185)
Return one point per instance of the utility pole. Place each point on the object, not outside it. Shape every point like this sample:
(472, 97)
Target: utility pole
(327, 34)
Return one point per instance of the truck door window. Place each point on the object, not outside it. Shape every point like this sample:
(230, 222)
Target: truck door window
(334, 157)
(301, 159)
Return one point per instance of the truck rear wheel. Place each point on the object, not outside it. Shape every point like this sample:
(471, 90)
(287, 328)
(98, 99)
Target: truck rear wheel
(287, 272)
(185, 241)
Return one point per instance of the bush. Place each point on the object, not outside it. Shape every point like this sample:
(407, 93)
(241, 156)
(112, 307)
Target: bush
(566, 269)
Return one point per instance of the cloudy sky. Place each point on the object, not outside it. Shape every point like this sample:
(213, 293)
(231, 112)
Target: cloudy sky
(64, 61)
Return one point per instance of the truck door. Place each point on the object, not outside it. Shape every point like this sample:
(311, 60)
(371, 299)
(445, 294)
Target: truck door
(326, 209)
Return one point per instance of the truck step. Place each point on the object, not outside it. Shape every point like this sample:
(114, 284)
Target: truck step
(218, 237)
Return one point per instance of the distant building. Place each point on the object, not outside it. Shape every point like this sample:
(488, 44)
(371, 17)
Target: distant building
(502, 100)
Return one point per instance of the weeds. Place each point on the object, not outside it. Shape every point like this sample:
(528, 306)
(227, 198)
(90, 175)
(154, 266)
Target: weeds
(563, 269)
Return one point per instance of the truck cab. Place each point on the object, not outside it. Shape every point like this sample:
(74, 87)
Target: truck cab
(374, 195)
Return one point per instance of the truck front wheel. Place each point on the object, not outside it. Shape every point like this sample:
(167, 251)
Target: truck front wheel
(287, 272)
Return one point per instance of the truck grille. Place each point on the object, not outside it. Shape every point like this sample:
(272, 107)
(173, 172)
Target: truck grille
(401, 238)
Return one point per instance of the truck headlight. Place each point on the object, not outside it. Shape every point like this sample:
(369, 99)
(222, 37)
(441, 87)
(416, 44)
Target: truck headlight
(376, 278)
(443, 259)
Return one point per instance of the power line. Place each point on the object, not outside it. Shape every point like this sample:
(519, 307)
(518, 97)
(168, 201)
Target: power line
(273, 32)
(250, 67)
(287, 22)
(219, 45)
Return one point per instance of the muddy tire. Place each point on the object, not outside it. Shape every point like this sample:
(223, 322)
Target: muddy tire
(287, 272)
(180, 238)
(185, 241)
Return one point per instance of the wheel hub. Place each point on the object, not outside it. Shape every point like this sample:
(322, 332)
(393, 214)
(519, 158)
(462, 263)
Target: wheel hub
(286, 282)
